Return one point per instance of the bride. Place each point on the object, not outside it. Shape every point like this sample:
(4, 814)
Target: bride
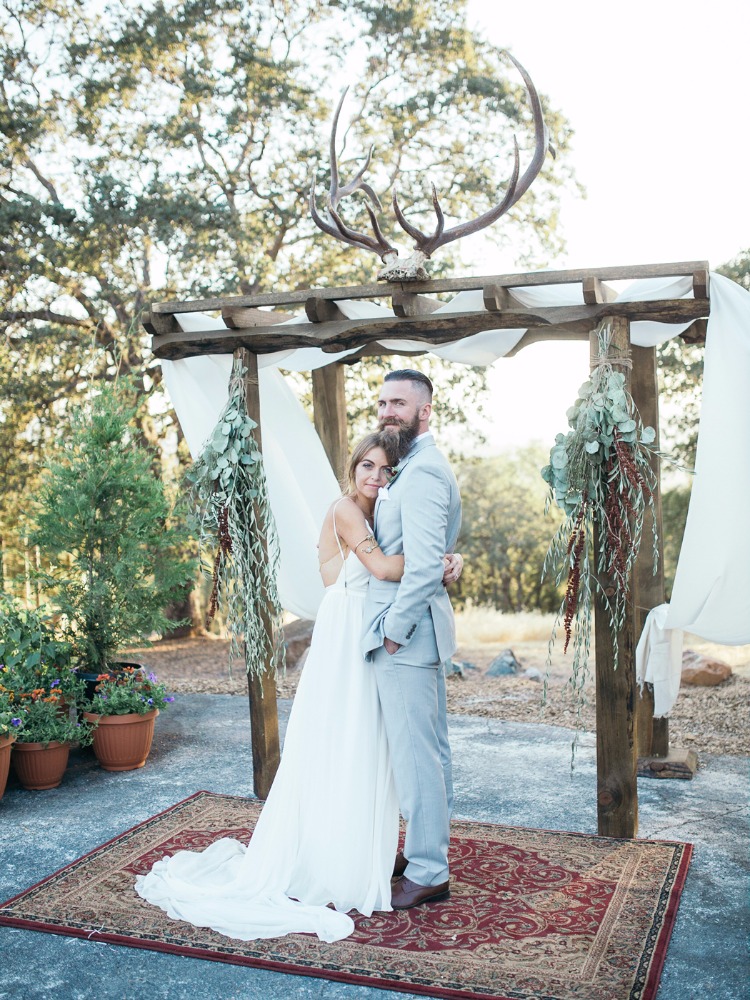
(328, 831)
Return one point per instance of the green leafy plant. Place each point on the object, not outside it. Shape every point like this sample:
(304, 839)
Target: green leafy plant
(38, 684)
(105, 526)
(45, 720)
(30, 655)
(235, 525)
(600, 475)
(127, 691)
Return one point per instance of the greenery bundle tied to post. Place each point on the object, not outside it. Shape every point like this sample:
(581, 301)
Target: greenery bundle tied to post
(235, 524)
(601, 477)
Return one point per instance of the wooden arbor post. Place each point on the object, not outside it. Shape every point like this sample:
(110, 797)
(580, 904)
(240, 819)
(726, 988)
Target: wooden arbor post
(616, 747)
(329, 410)
(656, 758)
(648, 587)
(264, 719)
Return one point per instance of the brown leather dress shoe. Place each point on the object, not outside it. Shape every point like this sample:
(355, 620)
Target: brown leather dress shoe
(399, 865)
(406, 894)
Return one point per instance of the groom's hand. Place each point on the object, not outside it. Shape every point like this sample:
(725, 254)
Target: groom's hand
(391, 646)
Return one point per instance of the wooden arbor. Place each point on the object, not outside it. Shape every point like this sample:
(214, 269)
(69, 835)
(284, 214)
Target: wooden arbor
(624, 723)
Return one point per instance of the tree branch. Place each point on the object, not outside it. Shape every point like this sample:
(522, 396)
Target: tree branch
(17, 315)
(47, 184)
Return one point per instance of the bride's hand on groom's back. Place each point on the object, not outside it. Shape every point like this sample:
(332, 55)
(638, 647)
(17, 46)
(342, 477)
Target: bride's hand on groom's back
(454, 564)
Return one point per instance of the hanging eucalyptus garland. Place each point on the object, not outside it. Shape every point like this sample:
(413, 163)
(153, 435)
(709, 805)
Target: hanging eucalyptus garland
(235, 525)
(601, 477)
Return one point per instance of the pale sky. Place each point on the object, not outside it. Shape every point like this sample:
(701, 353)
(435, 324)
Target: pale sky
(656, 93)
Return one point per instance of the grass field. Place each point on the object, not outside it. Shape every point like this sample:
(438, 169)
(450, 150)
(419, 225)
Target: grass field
(486, 625)
(479, 628)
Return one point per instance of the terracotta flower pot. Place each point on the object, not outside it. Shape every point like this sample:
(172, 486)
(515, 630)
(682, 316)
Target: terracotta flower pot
(6, 742)
(123, 742)
(40, 767)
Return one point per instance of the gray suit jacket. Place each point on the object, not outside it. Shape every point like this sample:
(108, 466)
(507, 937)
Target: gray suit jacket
(419, 517)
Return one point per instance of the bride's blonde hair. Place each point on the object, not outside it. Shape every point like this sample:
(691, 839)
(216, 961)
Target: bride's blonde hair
(367, 443)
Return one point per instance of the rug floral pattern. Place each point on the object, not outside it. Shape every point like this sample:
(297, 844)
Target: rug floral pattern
(533, 914)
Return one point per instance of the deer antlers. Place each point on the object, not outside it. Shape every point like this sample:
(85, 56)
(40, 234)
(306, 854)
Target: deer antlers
(334, 225)
(412, 269)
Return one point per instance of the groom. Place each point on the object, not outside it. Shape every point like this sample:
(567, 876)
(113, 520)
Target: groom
(409, 633)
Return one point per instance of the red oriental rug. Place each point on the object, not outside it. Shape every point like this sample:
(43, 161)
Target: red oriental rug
(533, 914)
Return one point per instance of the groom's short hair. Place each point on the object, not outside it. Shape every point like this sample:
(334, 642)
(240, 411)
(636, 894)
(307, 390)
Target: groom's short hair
(419, 380)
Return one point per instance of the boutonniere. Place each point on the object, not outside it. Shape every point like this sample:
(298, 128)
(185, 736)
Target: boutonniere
(396, 470)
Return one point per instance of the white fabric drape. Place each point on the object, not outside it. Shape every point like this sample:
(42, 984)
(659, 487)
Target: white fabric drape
(301, 483)
(711, 594)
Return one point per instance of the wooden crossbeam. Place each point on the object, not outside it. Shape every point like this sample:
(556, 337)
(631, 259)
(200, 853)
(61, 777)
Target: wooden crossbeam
(411, 304)
(443, 328)
(497, 298)
(701, 281)
(320, 310)
(386, 289)
(243, 318)
(595, 290)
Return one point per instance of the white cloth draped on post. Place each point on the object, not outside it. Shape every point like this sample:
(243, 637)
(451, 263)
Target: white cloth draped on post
(711, 593)
(301, 483)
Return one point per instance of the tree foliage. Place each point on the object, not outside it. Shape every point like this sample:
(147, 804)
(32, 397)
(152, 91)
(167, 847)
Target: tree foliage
(159, 149)
(680, 368)
(505, 533)
(113, 557)
(738, 269)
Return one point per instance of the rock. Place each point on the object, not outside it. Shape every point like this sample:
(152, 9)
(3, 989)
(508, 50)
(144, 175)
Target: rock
(703, 671)
(504, 665)
(532, 674)
(458, 668)
(299, 665)
(297, 636)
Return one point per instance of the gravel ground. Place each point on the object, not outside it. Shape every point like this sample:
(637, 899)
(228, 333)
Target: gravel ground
(706, 719)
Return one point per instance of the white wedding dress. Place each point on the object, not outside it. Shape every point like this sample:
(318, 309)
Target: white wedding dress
(328, 832)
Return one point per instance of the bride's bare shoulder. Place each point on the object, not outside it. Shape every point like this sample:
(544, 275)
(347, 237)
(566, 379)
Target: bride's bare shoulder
(342, 515)
(333, 515)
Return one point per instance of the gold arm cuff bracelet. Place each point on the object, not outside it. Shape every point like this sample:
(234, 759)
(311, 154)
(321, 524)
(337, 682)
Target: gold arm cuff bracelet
(371, 547)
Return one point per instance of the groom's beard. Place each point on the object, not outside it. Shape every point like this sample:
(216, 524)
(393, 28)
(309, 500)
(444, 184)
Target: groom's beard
(403, 432)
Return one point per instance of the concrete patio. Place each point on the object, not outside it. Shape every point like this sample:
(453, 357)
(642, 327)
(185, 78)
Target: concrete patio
(510, 773)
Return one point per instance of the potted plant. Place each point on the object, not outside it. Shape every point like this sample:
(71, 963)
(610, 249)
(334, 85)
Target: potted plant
(115, 556)
(40, 752)
(123, 712)
(41, 689)
(10, 723)
(30, 654)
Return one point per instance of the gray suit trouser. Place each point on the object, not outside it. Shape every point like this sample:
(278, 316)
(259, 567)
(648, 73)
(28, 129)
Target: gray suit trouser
(414, 710)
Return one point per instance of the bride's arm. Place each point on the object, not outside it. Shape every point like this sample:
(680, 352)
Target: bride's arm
(354, 530)
(355, 533)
